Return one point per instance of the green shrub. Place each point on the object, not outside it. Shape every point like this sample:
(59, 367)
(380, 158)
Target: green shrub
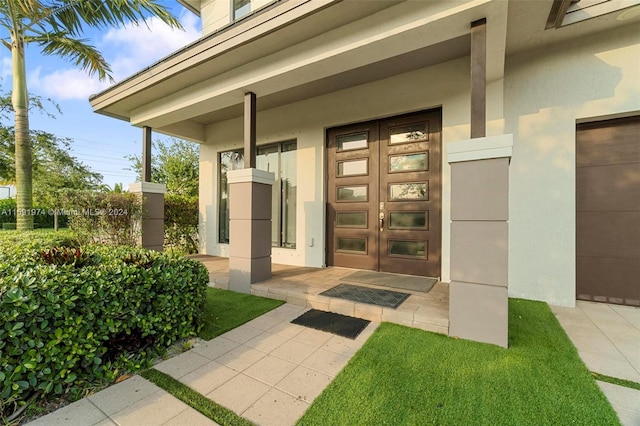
(19, 241)
(9, 226)
(65, 324)
(181, 223)
(103, 217)
(42, 216)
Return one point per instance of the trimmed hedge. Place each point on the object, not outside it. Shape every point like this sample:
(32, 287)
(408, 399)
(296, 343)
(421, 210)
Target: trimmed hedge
(71, 316)
(42, 216)
(181, 223)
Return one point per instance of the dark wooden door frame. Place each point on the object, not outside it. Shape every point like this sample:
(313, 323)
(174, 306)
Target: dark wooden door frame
(435, 187)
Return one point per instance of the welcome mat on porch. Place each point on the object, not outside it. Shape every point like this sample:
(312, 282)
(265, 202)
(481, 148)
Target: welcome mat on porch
(341, 325)
(372, 296)
(406, 282)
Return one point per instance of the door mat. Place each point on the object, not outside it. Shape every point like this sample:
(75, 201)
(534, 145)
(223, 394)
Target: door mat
(330, 322)
(372, 296)
(406, 282)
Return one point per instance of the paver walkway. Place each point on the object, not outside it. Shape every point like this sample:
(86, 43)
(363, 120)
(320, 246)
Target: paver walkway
(608, 340)
(267, 370)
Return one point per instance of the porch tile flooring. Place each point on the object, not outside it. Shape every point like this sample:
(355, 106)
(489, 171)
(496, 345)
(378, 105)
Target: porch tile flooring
(303, 286)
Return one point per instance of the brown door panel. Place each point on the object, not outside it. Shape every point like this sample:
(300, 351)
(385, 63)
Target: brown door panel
(400, 167)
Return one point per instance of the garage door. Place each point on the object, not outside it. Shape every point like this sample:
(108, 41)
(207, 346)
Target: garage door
(608, 211)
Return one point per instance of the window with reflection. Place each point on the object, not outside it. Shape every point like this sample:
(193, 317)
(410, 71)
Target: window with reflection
(353, 141)
(408, 191)
(241, 8)
(408, 162)
(280, 159)
(409, 133)
(408, 248)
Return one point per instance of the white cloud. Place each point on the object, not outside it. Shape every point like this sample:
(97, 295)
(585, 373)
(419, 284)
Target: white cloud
(65, 84)
(5, 67)
(127, 50)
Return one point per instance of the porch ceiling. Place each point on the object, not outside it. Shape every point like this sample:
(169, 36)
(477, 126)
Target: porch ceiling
(297, 50)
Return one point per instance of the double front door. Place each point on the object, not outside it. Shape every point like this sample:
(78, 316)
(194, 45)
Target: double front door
(383, 195)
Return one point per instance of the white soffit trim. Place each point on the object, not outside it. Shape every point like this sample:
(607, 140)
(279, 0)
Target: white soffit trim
(147, 187)
(480, 148)
(385, 34)
(251, 175)
(587, 9)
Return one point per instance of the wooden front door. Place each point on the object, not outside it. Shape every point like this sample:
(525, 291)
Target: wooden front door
(383, 195)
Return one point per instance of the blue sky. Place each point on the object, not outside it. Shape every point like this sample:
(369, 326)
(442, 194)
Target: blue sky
(100, 142)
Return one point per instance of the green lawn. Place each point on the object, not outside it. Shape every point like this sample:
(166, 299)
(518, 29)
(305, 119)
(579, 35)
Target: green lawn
(184, 393)
(226, 310)
(404, 376)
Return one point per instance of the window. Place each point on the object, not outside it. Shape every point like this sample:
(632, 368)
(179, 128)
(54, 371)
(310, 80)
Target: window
(281, 160)
(241, 8)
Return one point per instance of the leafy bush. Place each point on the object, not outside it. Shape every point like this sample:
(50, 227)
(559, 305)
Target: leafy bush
(103, 217)
(65, 324)
(42, 216)
(181, 223)
(66, 256)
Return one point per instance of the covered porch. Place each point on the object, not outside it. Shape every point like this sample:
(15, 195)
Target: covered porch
(302, 286)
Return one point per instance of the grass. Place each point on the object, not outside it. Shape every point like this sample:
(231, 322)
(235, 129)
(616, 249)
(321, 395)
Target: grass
(614, 380)
(226, 310)
(410, 377)
(192, 398)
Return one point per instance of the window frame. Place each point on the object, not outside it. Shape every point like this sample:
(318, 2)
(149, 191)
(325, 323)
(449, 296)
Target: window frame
(280, 219)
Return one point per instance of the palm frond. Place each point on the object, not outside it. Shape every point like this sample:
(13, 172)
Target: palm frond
(78, 51)
(72, 15)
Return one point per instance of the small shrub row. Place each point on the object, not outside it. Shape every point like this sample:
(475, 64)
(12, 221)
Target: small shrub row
(181, 223)
(43, 217)
(69, 317)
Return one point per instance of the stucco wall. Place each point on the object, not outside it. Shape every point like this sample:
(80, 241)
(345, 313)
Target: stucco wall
(218, 13)
(546, 93)
(445, 85)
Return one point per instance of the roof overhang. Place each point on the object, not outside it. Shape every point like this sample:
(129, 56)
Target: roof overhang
(191, 5)
(296, 50)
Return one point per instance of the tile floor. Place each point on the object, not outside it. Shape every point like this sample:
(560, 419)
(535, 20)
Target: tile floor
(608, 340)
(302, 286)
(267, 370)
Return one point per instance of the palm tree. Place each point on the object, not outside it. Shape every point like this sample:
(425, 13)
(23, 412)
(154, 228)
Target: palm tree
(56, 26)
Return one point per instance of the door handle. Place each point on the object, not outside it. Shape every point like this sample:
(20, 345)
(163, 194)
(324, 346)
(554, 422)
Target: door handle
(381, 221)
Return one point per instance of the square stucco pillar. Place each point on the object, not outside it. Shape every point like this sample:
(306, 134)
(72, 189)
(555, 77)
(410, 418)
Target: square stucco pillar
(478, 298)
(152, 223)
(249, 227)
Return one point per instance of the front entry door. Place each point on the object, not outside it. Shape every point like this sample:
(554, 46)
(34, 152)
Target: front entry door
(383, 195)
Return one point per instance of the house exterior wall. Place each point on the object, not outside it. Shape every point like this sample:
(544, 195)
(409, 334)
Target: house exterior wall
(546, 93)
(216, 14)
(540, 100)
(444, 85)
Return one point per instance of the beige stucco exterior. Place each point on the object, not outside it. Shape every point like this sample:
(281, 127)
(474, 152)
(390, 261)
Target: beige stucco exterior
(318, 64)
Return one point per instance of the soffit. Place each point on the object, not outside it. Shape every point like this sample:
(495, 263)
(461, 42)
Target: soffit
(414, 60)
(264, 34)
(527, 20)
(344, 44)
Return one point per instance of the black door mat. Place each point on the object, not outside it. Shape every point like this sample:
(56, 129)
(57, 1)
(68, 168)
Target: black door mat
(330, 322)
(406, 282)
(372, 296)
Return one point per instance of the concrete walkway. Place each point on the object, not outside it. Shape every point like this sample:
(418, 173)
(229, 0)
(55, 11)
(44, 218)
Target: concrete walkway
(608, 340)
(269, 371)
